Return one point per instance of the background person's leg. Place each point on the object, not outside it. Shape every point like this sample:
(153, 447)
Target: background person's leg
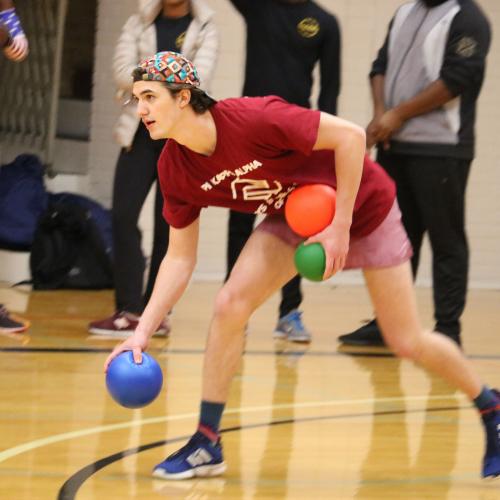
(135, 173)
(397, 166)
(402, 170)
(160, 243)
(290, 325)
(291, 296)
(393, 297)
(439, 185)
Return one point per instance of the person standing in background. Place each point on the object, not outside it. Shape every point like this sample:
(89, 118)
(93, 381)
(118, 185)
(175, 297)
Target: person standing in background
(285, 40)
(185, 26)
(425, 83)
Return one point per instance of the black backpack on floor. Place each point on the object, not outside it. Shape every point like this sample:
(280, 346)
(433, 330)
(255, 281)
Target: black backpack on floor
(68, 251)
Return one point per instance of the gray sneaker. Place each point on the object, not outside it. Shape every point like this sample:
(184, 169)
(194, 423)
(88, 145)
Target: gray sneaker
(290, 327)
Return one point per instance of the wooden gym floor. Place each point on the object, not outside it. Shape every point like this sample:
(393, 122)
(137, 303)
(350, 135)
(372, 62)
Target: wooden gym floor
(301, 422)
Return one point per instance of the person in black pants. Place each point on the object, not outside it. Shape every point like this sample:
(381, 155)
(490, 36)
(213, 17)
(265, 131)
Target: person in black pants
(424, 112)
(285, 39)
(128, 258)
(160, 25)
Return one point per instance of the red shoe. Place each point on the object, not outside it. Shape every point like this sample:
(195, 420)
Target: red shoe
(123, 324)
(10, 323)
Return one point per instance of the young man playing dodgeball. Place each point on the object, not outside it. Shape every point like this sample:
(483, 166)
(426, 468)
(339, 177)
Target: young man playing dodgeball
(248, 154)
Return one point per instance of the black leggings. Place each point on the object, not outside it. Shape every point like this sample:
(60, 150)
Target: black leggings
(239, 230)
(431, 195)
(136, 171)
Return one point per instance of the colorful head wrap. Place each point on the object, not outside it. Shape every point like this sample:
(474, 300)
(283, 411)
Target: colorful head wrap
(168, 67)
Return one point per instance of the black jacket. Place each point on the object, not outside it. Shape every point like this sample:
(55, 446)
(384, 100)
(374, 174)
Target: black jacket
(284, 41)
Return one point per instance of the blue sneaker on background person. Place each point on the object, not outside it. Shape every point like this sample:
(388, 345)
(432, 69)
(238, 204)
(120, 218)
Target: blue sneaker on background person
(290, 327)
(491, 421)
(200, 457)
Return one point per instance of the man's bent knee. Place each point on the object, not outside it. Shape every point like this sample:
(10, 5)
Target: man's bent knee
(405, 346)
(233, 306)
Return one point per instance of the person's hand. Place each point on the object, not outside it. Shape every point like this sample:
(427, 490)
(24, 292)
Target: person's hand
(335, 242)
(17, 48)
(136, 343)
(373, 131)
(388, 123)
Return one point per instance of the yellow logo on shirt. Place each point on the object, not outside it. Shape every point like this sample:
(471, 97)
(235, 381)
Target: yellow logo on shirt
(466, 47)
(179, 41)
(308, 27)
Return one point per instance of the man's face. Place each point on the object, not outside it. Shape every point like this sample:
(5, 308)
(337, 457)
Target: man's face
(157, 108)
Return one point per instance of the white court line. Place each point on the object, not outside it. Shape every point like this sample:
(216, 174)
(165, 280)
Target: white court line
(38, 443)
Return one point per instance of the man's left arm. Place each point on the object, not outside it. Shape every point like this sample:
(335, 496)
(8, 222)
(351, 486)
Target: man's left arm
(465, 56)
(463, 67)
(330, 67)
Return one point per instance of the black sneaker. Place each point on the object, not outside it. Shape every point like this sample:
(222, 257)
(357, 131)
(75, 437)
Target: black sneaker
(370, 335)
(367, 335)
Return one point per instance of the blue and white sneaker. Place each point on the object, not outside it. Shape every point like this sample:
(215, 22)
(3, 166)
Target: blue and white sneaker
(200, 457)
(290, 327)
(491, 421)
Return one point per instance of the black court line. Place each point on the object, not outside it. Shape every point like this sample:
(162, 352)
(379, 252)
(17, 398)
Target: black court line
(99, 350)
(66, 350)
(70, 488)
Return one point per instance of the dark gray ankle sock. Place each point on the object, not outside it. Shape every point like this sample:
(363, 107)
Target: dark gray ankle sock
(210, 417)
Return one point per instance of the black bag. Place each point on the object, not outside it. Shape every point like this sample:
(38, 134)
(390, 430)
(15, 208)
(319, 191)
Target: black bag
(23, 199)
(100, 216)
(68, 251)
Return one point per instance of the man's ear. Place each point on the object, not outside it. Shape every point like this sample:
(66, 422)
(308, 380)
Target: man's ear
(184, 97)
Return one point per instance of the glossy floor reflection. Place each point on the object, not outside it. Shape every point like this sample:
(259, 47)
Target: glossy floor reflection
(302, 422)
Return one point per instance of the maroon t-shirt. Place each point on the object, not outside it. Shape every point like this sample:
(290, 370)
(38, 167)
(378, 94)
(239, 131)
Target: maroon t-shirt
(263, 152)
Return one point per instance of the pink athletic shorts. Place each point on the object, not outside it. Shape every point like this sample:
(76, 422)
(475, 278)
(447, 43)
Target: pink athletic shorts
(386, 246)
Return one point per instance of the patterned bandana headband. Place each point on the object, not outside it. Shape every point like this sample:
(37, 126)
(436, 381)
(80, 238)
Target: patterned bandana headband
(168, 67)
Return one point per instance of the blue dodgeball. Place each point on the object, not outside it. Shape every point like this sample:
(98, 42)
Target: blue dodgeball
(134, 385)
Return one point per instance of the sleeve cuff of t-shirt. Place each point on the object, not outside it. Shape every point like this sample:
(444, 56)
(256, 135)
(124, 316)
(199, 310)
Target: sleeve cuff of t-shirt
(375, 72)
(455, 87)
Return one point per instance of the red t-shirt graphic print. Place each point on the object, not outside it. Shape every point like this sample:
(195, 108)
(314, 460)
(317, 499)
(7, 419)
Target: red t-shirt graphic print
(263, 151)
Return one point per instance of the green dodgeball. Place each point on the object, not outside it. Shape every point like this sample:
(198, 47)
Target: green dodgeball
(310, 261)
